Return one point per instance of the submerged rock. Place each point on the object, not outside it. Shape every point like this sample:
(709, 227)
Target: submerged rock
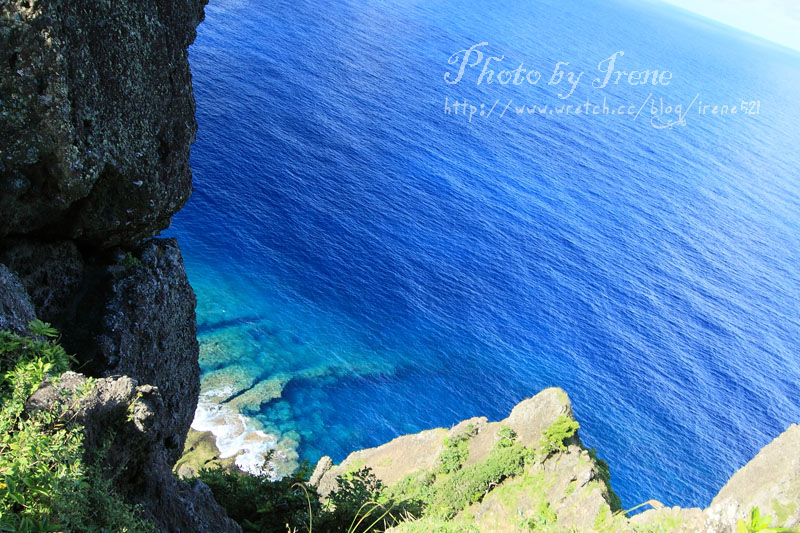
(200, 452)
(220, 385)
(263, 392)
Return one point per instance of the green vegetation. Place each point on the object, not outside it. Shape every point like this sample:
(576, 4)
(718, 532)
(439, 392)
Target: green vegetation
(434, 525)
(262, 505)
(608, 521)
(44, 483)
(782, 512)
(47, 484)
(420, 502)
(556, 436)
(470, 484)
(437, 500)
(756, 523)
(663, 524)
(447, 491)
(129, 260)
(455, 453)
(259, 504)
(544, 519)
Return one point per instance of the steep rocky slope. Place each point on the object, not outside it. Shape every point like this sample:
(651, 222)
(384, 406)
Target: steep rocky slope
(96, 122)
(570, 489)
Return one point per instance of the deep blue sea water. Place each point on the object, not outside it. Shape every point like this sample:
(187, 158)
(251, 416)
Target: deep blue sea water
(390, 268)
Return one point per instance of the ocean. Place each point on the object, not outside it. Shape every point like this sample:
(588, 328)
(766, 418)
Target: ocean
(372, 260)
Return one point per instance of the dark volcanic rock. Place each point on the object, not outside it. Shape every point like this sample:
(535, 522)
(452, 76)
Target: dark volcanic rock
(97, 117)
(140, 322)
(52, 273)
(122, 314)
(129, 414)
(96, 121)
(16, 310)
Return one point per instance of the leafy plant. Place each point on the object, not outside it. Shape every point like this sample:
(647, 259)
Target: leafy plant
(757, 524)
(422, 501)
(506, 437)
(44, 483)
(455, 453)
(555, 437)
(260, 504)
(129, 260)
(355, 490)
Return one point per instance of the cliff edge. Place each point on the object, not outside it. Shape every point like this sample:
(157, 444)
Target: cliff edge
(557, 484)
(96, 123)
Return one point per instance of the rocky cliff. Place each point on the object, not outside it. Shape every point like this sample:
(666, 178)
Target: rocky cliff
(96, 122)
(567, 488)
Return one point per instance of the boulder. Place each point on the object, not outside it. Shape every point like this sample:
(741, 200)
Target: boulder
(124, 419)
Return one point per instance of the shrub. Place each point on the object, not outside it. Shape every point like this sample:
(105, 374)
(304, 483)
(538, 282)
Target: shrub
(414, 491)
(554, 438)
(355, 498)
(506, 437)
(455, 453)
(44, 484)
(128, 260)
(756, 523)
(468, 485)
(260, 504)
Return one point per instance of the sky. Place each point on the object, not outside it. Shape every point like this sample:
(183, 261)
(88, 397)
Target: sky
(774, 20)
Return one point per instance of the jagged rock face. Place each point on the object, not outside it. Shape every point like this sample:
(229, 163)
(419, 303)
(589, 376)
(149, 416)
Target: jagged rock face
(573, 484)
(129, 318)
(122, 314)
(131, 415)
(52, 273)
(770, 481)
(145, 328)
(97, 117)
(96, 121)
(115, 408)
(16, 309)
(418, 452)
(569, 482)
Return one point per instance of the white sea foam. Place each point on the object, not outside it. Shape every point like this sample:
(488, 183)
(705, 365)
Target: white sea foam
(235, 434)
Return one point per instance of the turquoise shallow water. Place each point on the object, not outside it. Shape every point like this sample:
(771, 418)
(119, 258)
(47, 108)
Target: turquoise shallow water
(367, 265)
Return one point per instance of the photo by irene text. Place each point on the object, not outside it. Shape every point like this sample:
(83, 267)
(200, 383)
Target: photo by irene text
(476, 66)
